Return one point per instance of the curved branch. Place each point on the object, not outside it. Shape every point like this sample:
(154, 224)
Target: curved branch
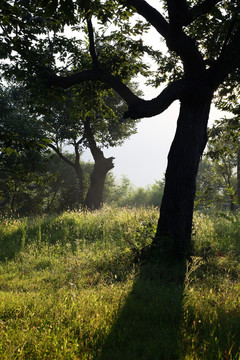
(152, 15)
(176, 39)
(95, 75)
(138, 108)
(64, 158)
(181, 14)
(149, 108)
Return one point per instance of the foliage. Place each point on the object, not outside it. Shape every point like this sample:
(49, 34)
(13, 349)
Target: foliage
(218, 180)
(61, 191)
(126, 194)
(71, 288)
(83, 118)
(65, 117)
(224, 151)
(19, 130)
(22, 153)
(48, 188)
(224, 139)
(212, 189)
(57, 51)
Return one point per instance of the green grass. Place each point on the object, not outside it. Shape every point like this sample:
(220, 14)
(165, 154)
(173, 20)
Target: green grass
(71, 288)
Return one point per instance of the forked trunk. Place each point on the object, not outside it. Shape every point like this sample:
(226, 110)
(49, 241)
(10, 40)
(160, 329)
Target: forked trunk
(94, 196)
(175, 222)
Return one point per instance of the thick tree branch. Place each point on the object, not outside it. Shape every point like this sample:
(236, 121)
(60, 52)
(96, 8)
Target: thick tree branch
(201, 9)
(176, 39)
(80, 141)
(64, 158)
(151, 15)
(95, 151)
(149, 108)
(231, 28)
(77, 154)
(179, 12)
(95, 75)
(91, 43)
(138, 108)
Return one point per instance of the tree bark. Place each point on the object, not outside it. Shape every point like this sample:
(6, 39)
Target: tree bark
(175, 222)
(94, 198)
(102, 165)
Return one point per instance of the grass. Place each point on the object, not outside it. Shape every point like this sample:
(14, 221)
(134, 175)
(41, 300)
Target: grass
(71, 288)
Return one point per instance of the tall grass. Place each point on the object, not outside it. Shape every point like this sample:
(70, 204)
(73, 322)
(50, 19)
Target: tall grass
(71, 288)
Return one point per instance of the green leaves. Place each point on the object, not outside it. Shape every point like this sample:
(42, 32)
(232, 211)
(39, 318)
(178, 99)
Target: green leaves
(51, 8)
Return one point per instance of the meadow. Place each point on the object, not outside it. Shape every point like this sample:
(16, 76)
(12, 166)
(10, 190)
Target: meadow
(73, 286)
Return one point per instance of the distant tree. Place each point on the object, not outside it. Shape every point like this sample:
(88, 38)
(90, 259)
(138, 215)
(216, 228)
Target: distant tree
(224, 151)
(60, 192)
(117, 193)
(83, 119)
(210, 186)
(87, 118)
(22, 148)
(148, 196)
(125, 194)
(19, 130)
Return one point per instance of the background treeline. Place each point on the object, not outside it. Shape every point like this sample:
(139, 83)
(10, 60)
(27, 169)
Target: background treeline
(36, 183)
(51, 186)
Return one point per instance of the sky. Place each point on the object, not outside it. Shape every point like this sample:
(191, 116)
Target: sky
(143, 157)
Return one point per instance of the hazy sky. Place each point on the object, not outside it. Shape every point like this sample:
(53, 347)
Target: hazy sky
(143, 157)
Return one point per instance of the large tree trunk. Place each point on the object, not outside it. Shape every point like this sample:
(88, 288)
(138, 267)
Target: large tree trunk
(94, 198)
(175, 222)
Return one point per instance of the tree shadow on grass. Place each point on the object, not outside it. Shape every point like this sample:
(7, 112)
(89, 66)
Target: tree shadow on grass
(149, 324)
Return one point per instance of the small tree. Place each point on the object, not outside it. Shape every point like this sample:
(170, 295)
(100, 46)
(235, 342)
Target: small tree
(224, 150)
(87, 118)
(210, 186)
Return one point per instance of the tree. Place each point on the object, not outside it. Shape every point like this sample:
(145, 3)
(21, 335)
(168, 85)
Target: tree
(203, 57)
(22, 149)
(224, 150)
(82, 118)
(211, 190)
(60, 192)
(126, 194)
(87, 118)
